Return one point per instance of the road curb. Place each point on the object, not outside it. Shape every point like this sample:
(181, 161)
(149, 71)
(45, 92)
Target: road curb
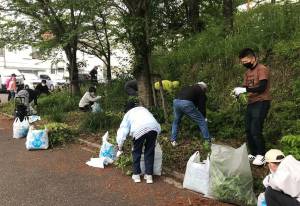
(7, 115)
(172, 177)
(90, 144)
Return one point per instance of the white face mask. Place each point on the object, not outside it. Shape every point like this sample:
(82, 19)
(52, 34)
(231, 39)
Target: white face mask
(92, 93)
(43, 84)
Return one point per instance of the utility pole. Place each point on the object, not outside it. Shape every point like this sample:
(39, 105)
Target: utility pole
(4, 58)
(248, 5)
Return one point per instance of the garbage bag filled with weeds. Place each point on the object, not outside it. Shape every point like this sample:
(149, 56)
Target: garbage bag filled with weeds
(230, 175)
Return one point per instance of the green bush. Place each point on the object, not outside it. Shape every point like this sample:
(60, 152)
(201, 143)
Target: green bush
(8, 108)
(124, 162)
(55, 106)
(283, 119)
(59, 134)
(114, 95)
(94, 122)
(290, 145)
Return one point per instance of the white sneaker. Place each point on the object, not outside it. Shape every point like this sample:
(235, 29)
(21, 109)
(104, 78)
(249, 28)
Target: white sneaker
(251, 157)
(174, 143)
(259, 160)
(148, 178)
(136, 178)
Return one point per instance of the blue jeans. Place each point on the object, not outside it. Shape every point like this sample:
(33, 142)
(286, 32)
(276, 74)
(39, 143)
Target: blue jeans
(11, 95)
(181, 107)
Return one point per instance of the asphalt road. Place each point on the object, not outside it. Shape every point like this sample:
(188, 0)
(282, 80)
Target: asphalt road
(60, 177)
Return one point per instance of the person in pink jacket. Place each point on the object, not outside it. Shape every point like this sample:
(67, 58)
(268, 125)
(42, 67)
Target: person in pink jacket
(11, 87)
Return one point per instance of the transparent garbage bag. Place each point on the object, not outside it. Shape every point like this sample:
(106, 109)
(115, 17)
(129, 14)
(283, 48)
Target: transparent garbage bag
(230, 175)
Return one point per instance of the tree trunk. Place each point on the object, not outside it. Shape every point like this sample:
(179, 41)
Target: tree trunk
(108, 59)
(192, 14)
(142, 74)
(73, 69)
(228, 16)
(273, 1)
(140, 41)
(108, 69)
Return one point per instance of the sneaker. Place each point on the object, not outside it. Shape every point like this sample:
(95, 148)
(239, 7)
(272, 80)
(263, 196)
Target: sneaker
(174, 143)
(210, 140)
(259, 160)
(149, 179)
(136, 178)
(251, 157)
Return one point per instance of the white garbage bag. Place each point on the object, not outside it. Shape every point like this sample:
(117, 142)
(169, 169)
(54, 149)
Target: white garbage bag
(37, 139)
(261, 200)
(157, 166)
(20, 129)
(230, 175)
(96, 107)
(34, 118)
(96, 162)
(107, 150)
(196, 176)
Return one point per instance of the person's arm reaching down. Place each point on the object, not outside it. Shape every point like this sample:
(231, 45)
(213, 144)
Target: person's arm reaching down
(123, 131)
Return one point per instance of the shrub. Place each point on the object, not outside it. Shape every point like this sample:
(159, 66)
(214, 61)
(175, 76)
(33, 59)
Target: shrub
(59, 134)
(114, 95)
(55, 105)
(290, 145)
(8, 108)
(283, 119)
(93, 122)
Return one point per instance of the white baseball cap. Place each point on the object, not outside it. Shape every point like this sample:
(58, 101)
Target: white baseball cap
(202, 84)
(274, 155)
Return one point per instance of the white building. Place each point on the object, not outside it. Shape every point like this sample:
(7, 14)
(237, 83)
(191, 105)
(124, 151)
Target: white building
(28, 60)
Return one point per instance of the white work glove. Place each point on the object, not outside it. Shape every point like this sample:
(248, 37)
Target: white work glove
(239, 90)
(119, 153)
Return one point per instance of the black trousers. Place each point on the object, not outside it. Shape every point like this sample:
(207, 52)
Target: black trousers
(255, 117)
(277, 198)
(87, 108)
(149, 140)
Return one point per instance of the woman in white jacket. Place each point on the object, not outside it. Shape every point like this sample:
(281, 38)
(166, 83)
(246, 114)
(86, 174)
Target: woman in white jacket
(88, 99)
(140, 124)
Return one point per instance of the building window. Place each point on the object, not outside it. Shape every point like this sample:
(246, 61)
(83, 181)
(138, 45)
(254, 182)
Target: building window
(1, 52)
(60, 70)
(36, 53)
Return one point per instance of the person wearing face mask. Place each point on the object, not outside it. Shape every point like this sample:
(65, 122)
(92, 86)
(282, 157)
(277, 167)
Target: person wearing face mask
(257, 85)
(283, 183)
(88, 99)
(42, 88)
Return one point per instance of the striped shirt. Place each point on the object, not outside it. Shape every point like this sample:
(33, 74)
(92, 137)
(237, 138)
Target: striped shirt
(136, 122)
